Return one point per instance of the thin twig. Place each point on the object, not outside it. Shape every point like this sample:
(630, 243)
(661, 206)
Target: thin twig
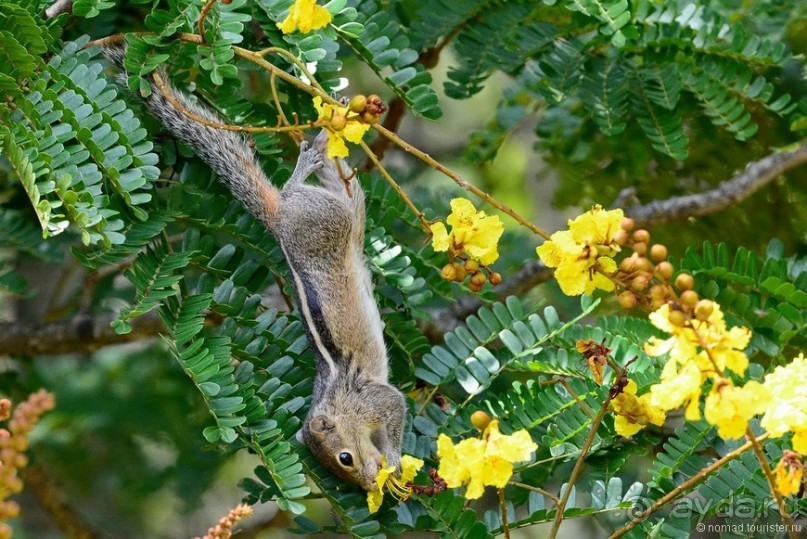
(503, 506)
(428, 399)
(161, 84)
(578, 465)
(766, 470)
(425, 223)
(536, 489)
(580, 401)
(200, 24)
(459, 180)
(683, 488)
(294, 60)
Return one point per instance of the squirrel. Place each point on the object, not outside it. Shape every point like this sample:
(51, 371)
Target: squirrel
(356, 417)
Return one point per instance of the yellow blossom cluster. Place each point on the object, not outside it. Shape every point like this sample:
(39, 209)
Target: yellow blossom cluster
(353, 129)
(305, 16)
(480, 462)
(705, 349)
(397, 486)
(583, 255)
(699, 349)
(472, 232)
(787, 409)
(634, 413)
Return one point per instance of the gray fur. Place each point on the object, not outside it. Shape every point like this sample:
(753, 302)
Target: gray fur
(321, 231)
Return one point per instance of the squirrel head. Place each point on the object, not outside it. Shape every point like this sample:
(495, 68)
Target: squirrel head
(344, 447)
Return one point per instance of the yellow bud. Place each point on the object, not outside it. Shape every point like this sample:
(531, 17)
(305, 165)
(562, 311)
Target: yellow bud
(658, 252)
(664, 270)
(639, 283)
(369, 118)
(480, 420)
(643, 264)
(678, 318)
(689, 299)
(657, 291)
(338, 122)
(628, 265)
(704, 309)
(461, 272)
(357, 104)
(495, 278)
(641, 236)
(471, 266)
(684, 281)
(627, 299)
(449, 273)
(479, 278)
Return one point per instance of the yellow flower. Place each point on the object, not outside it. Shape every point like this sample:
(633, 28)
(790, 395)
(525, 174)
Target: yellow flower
(482, 462)
(787, 411)
(397, 486)
(472, 232)
(789, 474)
(353, 130)
(678, 388)
(725, 346)
(583, 254)
(305, 16)
(731, 407)
(634, 413)
(698, 350)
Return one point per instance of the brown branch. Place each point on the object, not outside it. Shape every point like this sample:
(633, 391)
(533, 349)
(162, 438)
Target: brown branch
(683, 488)
(81, 333)
(755, 176)
(57, 8)
(52, 500)
(578, 466)
(202, 16)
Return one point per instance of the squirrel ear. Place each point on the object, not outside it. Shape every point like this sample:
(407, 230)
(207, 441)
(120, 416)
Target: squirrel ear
(321, 425)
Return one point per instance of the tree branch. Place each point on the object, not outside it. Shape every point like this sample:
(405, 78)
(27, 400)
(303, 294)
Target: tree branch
(81, 333)
(57, 8)
(755, 176)
(52, 500)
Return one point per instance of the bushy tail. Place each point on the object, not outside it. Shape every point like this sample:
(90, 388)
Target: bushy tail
(226, 152)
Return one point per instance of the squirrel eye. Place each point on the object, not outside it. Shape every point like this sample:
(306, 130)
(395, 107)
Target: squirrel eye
(346, 458)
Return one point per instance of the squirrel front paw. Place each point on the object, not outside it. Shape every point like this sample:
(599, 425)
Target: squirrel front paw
(310, 160)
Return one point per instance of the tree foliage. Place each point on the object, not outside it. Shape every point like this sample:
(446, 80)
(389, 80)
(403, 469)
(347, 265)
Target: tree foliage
(624, 93)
